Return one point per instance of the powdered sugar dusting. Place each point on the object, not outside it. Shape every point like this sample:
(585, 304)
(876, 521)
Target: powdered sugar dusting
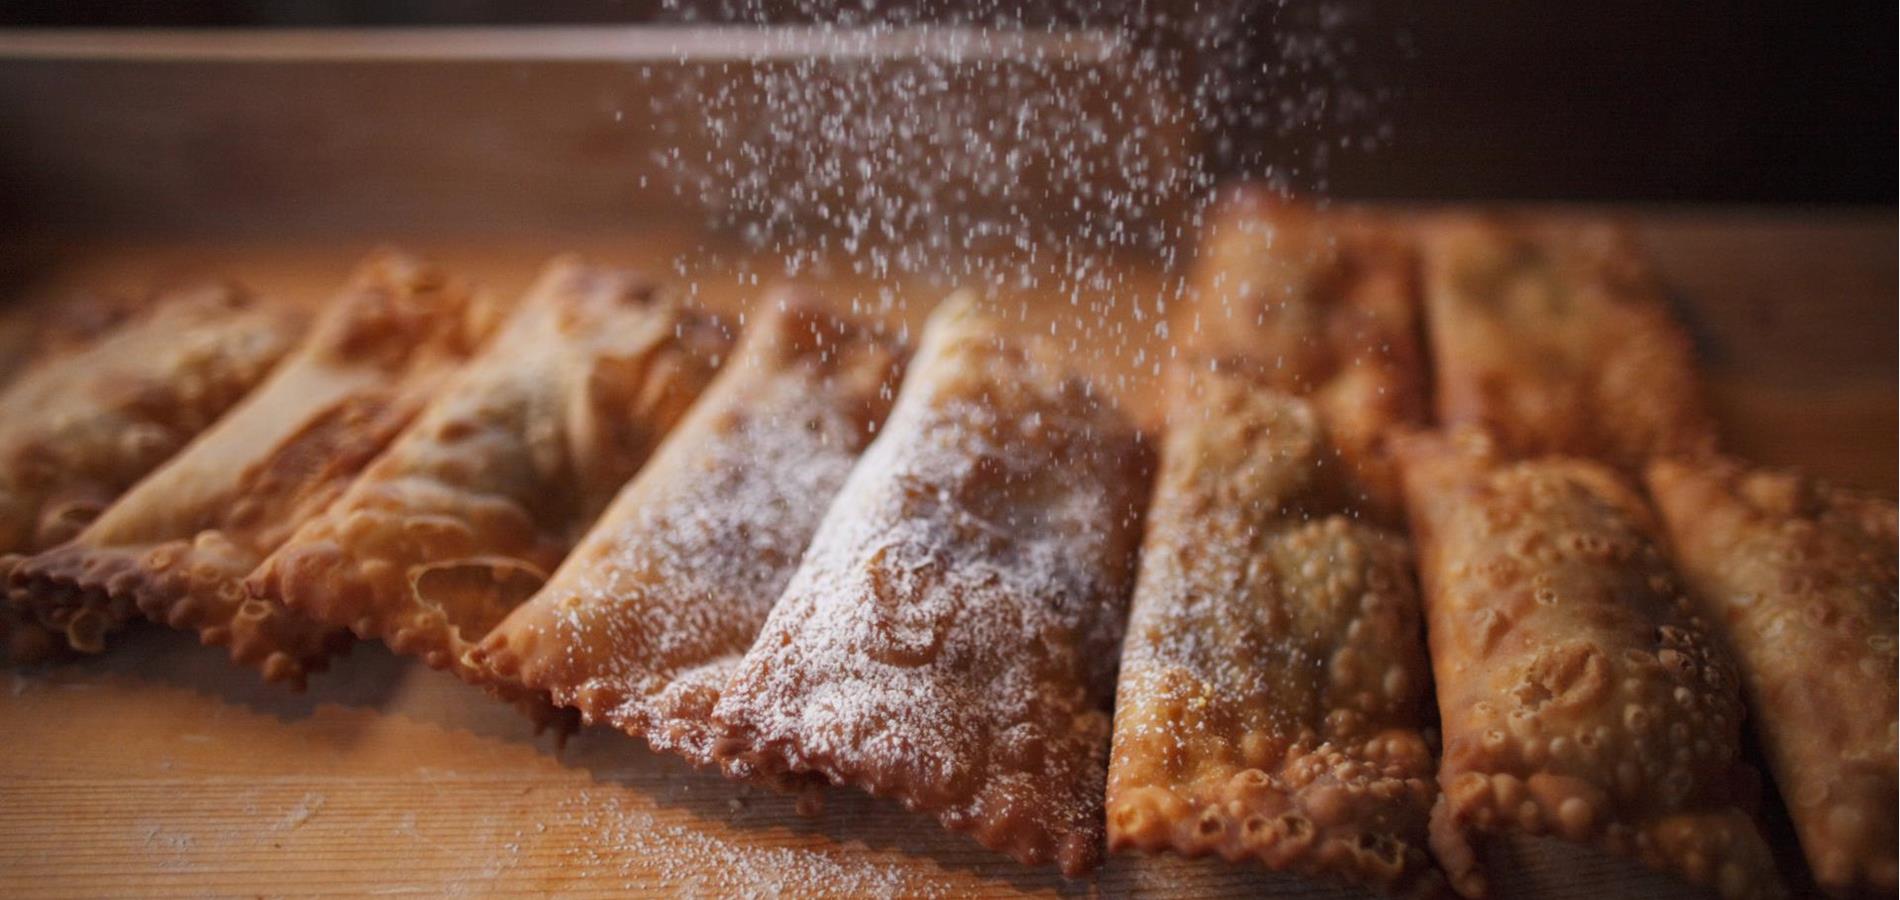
(629, 841)
(310, 804)
(1273, 685)
(646, 621)
(951, 637)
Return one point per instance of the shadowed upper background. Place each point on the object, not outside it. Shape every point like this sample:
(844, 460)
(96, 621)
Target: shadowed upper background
(1744, 102)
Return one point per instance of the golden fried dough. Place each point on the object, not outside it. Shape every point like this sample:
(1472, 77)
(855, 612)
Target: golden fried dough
(470, 509)
(32, 333)
(1799, 580)
(1579, 694)
(178, 545)
(950, 639)
(1556, 339)
(84, 425)
(1274, 683)
(35, 331)
(1322, 306)
(105, 399)
(648, 617)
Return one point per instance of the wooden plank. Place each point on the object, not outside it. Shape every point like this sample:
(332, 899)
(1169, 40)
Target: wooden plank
(294, 131)
(736, 44)
(1795, 317)
(160, 770)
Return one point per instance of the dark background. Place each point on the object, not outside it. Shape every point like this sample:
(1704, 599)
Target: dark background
(1748, 101)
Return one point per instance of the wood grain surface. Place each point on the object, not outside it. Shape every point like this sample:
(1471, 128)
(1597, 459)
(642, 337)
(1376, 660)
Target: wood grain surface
(160, 770)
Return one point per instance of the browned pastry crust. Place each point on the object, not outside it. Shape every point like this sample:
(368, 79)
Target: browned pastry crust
(950, 639)
(101, 406)
(649, 616)
(178, 545)
(1274, 684)
(1317, 305)
(31, 334)
(467, 513)
(1578, 693)
(83, 425)
(1799, 579)
(1557, 340)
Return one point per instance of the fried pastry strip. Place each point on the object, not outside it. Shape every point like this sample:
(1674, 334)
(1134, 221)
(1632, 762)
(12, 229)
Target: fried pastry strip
(648, 617)
(1557, 340)
(471, 508)
(950, 637)
(1273, 680)
(1320, 306)
(45, 328)
(31, 333)
(1799, 579)
(84, 424)
(102, 406)
(1578, 693)
(178, 545)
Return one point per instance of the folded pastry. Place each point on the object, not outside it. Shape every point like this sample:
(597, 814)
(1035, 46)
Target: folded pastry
(471, 508)
(1579, 694)
(1274, 686)
(178, 545)
(647, 618)
(101, 406)
(84, 424)
(1321, 306)
(1557, 339)
(950, 638)
(1799, 579)
(34, 331)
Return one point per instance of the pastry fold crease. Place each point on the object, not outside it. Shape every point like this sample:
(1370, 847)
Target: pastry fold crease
(1274, 686)
(1557, 339)
(644, 623)
(1322, 306)
(472, 507)
(100, 407)
(1579, 694)
(1798, 578)
(178, 545)
(950, 638)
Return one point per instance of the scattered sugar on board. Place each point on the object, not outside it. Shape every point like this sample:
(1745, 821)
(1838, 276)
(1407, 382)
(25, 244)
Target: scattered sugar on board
(687, 578)
(623, 840)
(300, 813)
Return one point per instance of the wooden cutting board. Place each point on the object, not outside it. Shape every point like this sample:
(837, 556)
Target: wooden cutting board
(160, 770)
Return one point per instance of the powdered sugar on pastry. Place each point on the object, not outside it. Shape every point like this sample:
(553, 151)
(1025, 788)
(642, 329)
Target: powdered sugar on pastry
(950, 639)
(1274, 686)
(645, 621)
(1321, 306)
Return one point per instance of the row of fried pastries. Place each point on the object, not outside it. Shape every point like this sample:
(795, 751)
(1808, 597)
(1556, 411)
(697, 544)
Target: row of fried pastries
(963, 593)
